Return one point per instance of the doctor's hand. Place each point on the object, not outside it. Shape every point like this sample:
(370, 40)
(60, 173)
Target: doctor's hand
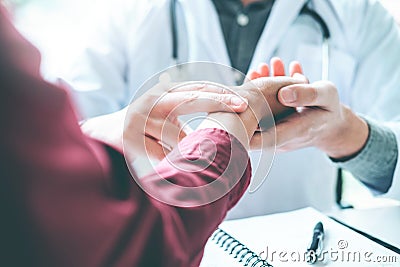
(320, 120)
(149, 126)
(258, 92)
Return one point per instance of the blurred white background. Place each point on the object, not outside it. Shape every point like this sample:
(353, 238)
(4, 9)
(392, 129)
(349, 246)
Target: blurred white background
(56, 27)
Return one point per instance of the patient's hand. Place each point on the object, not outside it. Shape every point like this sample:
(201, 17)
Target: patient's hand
(149, 126)
(277, 69)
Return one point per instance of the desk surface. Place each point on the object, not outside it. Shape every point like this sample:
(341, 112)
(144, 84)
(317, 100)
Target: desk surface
(382, 223)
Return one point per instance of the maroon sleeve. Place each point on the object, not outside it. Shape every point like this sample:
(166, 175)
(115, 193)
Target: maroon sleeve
(219, 159)
(67, 200)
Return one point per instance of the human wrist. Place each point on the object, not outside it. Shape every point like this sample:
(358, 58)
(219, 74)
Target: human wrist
(228, 122)
(242, 125)
(257, 102)
(350, 139)
(376, 172)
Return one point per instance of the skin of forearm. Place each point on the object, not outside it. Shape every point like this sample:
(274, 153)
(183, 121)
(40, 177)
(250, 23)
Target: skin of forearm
(349, 139)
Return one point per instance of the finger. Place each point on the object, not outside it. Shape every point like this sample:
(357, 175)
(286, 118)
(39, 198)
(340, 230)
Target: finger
(263, 70)
(204, 86)
(201, 87)
(253, 75)
(277, 66)
(181, 103)
(295, 67)
(273, 83)
(320, 94)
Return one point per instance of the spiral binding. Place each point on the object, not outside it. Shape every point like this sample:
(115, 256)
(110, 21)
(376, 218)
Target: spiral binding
(240, 251)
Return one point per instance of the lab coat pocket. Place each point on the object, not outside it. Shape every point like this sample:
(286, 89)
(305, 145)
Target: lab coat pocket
(342, 67)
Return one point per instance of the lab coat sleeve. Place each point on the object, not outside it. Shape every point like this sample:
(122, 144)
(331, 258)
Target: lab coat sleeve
(67, 200)
(374, 40)
(98, 74)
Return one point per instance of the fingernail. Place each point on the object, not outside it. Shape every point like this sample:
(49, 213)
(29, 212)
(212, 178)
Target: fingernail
(288, 95)
(237, 101)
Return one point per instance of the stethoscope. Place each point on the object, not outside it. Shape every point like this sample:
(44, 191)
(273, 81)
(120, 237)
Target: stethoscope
(305, 10)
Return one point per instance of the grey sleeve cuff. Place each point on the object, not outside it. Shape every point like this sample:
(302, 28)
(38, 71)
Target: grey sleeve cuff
(375, 164)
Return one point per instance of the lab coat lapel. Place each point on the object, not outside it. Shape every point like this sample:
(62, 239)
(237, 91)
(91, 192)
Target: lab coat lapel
(206, 40)
(283, 13)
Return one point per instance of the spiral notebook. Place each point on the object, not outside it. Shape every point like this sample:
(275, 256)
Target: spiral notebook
(237, 250)
(282, 240)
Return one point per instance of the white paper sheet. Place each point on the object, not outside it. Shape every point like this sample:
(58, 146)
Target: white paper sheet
(282, 239)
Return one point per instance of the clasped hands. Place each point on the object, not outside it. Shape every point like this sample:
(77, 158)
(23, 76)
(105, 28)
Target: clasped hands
(320, 119)
(150, 125)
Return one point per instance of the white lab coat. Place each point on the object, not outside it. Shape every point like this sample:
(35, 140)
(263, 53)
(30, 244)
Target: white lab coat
(364, 64)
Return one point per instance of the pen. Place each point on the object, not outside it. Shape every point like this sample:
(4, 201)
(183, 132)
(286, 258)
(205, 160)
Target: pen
(315, 248)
